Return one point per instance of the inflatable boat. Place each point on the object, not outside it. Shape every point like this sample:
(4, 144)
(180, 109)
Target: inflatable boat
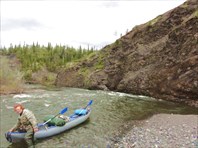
(47, 130)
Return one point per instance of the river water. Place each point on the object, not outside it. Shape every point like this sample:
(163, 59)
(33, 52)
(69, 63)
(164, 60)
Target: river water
(110, 112)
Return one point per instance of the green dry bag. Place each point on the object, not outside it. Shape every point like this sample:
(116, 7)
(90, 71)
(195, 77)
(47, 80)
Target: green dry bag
(55, 121)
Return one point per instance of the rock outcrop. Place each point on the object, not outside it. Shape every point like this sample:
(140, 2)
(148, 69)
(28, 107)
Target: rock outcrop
(157, 59)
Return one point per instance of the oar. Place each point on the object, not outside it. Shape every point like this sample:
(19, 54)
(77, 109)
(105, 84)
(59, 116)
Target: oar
(61, 112)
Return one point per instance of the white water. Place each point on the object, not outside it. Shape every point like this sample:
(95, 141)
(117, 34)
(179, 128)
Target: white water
(111, 111)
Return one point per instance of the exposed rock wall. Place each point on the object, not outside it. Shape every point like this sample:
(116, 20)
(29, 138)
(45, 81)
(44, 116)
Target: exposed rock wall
(158, 59)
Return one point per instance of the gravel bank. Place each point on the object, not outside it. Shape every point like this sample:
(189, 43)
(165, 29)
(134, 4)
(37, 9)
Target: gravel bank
(162, 131)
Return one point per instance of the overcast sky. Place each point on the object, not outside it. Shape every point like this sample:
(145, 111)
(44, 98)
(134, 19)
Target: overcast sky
(75, 23)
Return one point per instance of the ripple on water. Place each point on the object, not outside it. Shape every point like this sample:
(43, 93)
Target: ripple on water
(110, 112)
(22, 96)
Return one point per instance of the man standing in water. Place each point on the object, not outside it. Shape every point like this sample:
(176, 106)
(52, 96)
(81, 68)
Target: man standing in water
(26, 122)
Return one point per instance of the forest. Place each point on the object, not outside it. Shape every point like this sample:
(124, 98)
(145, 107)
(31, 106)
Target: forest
(30, 59)
(34, 57)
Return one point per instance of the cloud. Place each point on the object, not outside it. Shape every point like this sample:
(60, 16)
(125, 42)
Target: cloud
(98, 45)
(21, 23)
(109, 4)
(94, 23)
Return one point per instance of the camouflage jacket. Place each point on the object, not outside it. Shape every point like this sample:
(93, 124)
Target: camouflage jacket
(26, 121)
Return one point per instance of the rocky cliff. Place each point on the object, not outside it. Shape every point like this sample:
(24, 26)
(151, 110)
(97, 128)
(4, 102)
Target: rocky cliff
(158, 59)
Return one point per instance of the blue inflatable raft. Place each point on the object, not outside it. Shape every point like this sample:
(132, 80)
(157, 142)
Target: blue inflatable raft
(79, 116)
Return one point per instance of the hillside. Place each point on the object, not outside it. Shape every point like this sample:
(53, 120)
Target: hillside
(157, 59)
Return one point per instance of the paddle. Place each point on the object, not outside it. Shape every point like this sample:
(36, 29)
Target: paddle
(61, 112)
(90, 102)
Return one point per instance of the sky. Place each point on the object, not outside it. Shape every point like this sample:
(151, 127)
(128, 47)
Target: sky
(75, 23)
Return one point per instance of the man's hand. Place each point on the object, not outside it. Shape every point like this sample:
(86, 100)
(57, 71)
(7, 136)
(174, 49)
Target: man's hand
(11, 130)
(36, 129)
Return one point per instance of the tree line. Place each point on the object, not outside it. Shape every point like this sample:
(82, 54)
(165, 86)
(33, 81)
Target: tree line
(34, 57)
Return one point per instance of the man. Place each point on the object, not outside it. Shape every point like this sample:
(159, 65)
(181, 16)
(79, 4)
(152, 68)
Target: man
(26, 122)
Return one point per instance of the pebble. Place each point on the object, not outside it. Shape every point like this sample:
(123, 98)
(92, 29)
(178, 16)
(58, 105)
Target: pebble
(162, 131)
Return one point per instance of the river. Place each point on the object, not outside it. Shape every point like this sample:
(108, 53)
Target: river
(110, 112)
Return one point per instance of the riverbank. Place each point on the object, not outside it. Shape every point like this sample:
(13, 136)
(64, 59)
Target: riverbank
(162, 131)
(11, 89)
(25, 88)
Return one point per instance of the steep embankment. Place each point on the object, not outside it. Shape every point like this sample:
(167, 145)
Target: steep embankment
(10, 77)
(158, 59)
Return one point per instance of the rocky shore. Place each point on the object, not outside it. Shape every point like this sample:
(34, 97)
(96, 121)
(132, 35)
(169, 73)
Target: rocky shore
(162, 131)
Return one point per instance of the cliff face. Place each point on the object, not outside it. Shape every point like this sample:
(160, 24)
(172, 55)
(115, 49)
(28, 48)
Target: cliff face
(158, 59)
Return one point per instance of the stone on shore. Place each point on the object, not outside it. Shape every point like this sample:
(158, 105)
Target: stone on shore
(163, 131)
